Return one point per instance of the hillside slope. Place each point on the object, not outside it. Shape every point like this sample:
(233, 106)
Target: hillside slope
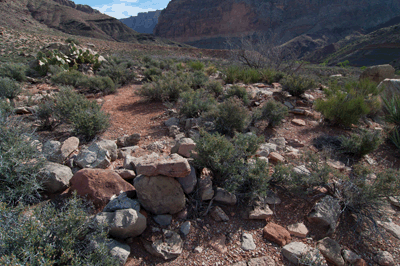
(67, 17)
(209, 23)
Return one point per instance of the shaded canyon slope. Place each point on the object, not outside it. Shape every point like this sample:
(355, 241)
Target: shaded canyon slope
(53, 16)
(144, 22)
(208, 23)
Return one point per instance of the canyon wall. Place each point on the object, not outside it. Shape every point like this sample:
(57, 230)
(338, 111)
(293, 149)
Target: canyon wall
(144, 22)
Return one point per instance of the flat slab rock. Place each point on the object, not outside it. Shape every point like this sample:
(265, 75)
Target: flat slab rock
(173, 165)
(277, 234)
(297, 252)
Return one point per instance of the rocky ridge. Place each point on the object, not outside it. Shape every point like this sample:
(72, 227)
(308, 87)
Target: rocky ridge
(144, 22)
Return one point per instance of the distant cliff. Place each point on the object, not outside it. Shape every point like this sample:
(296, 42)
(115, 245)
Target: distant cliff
(208, 23)
(143, 22)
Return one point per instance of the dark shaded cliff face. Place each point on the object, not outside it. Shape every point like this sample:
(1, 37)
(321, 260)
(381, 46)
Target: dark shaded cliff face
(143, 22)
(208, 23)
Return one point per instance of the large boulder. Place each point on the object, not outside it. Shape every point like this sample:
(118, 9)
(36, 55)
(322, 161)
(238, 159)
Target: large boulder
(56, 177)
(94, 157)
(160, 194)
(378, 73)
(110, 146)
(121, 202)
(99, 185)
(123, 223)
(68, 147)
(390, 87)
(326, 213)
(172, 166)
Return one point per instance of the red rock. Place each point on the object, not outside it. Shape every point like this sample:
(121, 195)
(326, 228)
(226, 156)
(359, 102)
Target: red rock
(276, 157)
(277, 234)
(299, 122)
(360, 262)
(99, 185)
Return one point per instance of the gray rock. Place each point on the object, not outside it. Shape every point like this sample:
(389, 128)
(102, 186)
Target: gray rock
(384, 258)
(52, 151)
(119, 250)
(126, 174)
(378, 73)
(173, 121)
(184, 147)
(331, 251)
(69, 146)
(128, 140)
(185, 228)
(219, 215)
(110, 146)
(163, 219)
(272, 198)
(392, 228)
(56, 177)
(205, 185)
(160, 194)
(123, 223)
(93, 157)
(125, 151)
(192, 122)
(260, 213)
(395, 200)
(326, 213)
(350, 256)
(173, 166)
(223, 196)
(247, 242)
(302, 170)
(169, 247)
(122, 202)
(280, 142)
(300, 253)
(189, 182)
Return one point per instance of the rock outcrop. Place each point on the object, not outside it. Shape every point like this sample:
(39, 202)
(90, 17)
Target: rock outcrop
(208, 23)
(144, 22)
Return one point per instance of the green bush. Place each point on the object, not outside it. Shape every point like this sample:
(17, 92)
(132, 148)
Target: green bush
(5, 108)
(120, 74)
(361, 143)
(272, 111)
(345, 106)
(166, 88)
(246, 75)
(194, 103)
(229, 161)
(72, 40)
(196, 65)
(297, 85)
(199, 79)
(50, 235)
(240, 92)
(152, 73)
(93, 84)
(20, 162)
(68, 106)
(232, 116)
(214, 87)
(270, 76)
(211, 70)
(231, 74)
(96, 84)
(13, 71)
(9, 88)
(392, 115)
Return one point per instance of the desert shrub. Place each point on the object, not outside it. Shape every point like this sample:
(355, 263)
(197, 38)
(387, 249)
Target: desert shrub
(93, 84)
(392, 115)
(361, 143)
(68, 78)
(232, 116)
(96, 84)
(272, 111)
(194, 103)
(229, 161)
(9, 88)
(239, 92)
(211, 70)
(247, 75)
(166, 88)
(270, 76)
(20, 163)
(71, 107)
(51, 235)
(345, 106)
(151, 73)
(5, 107)
(120, 74)
(72, 40)
(214, 87)
(297, 85)
(13, 71)
(196, 65)
(199, 79)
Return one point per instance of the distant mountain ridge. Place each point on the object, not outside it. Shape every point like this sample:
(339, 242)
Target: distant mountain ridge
(144, 22)
(209, 23)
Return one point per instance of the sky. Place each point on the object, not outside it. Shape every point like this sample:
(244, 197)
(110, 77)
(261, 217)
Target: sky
(124, 8)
